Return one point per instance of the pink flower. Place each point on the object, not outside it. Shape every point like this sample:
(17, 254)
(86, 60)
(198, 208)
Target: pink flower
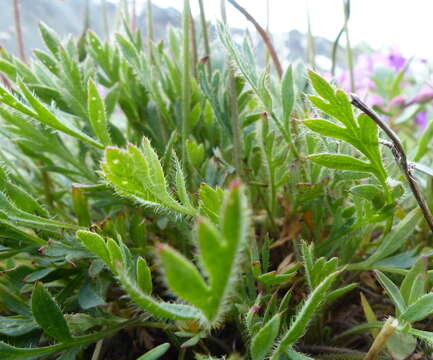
(426, 94)
(398, 101)
(421, 119)
(375, 100)
(396, 60)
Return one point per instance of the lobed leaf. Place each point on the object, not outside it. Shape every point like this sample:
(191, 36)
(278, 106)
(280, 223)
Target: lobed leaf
(341, 162)
(138, 175)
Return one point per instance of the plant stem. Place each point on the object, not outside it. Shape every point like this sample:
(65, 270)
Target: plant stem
(186, 85)
(193, 45)
(86, 25)
(236, 124)
(134, 17)
(381, 339)
(263, 34)
(399, 156)
(204, 33)
(335, 51)
(105, 19)
(149, 24)
(267, 55)
(311, 46)
(234, 111)
(97, 350)
(348, 46)
(18, 29)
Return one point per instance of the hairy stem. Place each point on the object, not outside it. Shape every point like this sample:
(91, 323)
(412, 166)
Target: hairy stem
(204, 33)
(263, 34)
(311, 46)
(193, 45)
(186, 85)
(18, 29)
(335, 51)
(348, 46)
(234, 111)
(399, 156)
(134, 17)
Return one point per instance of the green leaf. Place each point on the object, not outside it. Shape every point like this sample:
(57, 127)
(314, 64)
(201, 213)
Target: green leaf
(367, 191)
(219, 250)
(419, 310)
(335, 294)
(392, 290)
(288, 95)
(80, 206)
(50, 38)
(111, 254)
(16, 325)
(418, 268)
(361, 133)
(369, 138)
(196, 153)
(307, 254)
(8, 68)
(369, 314)
(418, 288)
(426, 336)
(306, 313)
(9, 352)
(97, 114)
(211, 201)
(159, 309)
(14, 103)
(18, 216)
(138, 175)
(94, 243)
(294, 355)
(327, 128)
(47, 117)
(144, 276)
(155, 353)
(397, 237)
(47, 314)
(273, 278)
(321, 86)
(401, 345)
(263, 341)
(13, 301)
(183, 277)
(341, 162)
(87, 296)
(115, 253)
(181, 186)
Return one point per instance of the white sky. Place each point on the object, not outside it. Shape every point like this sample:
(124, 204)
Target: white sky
(405, 25)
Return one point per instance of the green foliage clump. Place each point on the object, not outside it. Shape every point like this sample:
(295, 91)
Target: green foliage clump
(210, 207)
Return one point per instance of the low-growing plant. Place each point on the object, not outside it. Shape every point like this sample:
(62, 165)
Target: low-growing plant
(193, 211)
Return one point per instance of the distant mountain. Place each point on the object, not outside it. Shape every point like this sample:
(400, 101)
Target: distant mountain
(68, 17)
